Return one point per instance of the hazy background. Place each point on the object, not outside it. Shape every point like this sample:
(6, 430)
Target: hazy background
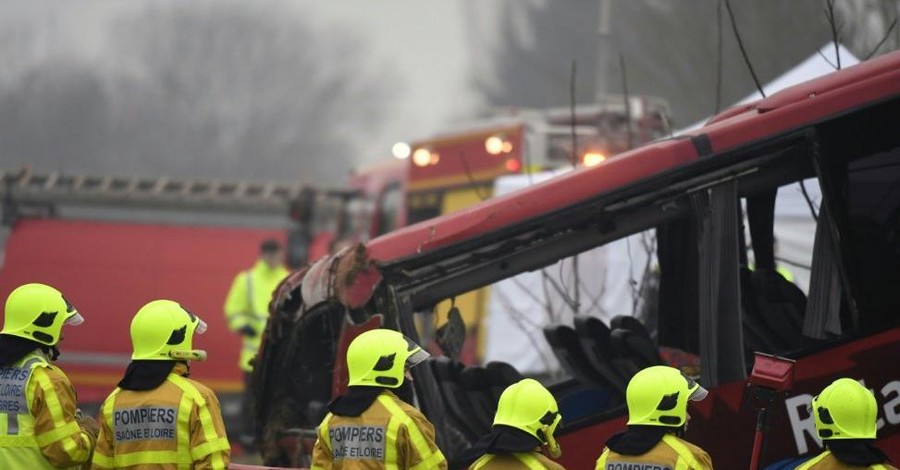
(305, 90)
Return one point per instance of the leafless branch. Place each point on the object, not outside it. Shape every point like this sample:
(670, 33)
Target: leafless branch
(719, 56)
(812, 208)
(559, 290)
(572, 114)
(526, 290)
(627, 101)
(519, 321)
(835, 30)
(737, 35)
(885, 38)
(577, 297)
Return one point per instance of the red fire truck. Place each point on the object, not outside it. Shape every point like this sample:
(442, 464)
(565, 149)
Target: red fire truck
(114, 243)
(694, 191)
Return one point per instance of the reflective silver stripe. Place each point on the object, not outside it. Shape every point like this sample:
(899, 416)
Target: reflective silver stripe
(31, 362)
(94, 358)
(12, 419)
(145, 423)
(252, 305)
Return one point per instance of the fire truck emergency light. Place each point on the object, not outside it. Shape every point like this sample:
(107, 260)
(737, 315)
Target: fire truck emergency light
(494, 145)
(593, 159)
(401, 150)
(421, 157)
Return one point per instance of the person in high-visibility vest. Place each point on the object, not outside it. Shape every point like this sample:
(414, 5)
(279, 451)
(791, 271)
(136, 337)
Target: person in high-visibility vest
(657, 399)
(846, 416)
(371, 427)
(247, 310)
(158, 418)
(524, 426)
(40, 427)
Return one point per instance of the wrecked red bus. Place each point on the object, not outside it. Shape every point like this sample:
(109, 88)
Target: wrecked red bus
(709, 198)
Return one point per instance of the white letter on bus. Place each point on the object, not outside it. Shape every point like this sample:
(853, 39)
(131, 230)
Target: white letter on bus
(800, 425)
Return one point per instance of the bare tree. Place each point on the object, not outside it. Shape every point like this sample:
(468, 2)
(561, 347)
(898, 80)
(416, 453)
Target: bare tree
(671, 49)
(266, 94)
(216, 89)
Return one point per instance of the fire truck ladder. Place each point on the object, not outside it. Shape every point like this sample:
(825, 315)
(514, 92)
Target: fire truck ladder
(27, 187)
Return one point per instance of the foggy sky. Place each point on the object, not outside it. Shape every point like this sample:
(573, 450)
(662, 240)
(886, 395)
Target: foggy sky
(400, 70)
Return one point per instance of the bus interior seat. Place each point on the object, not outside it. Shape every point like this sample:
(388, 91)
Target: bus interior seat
(643, 348)
(772, 307)
(447, 375)
(566, 346)
(782, 305)
(501, 375)
(622, 341)
(593, 335)
(477, 385)
(759, 335)
(637, 341)
(627, 322)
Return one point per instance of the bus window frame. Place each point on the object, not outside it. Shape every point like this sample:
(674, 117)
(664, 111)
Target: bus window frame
(422, 280)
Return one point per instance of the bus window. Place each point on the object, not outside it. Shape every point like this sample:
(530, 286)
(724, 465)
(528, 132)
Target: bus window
(860, 170)
(871, 199)
(389, 207)
(794, 229)
(613, 280)
(775, 269)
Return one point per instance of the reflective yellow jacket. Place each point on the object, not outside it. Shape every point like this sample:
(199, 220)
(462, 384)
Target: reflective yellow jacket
(522, 461)
(391, 434)
(827, 461)
(37, 418)
(247, 304)
(671, 453)
(178, 425)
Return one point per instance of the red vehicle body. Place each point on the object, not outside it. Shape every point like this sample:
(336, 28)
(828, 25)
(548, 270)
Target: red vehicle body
(110, 264)
(109, 270)
(839, 129)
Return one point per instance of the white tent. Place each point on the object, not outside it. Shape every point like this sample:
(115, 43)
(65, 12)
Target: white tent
(520, 307)
(814, 66)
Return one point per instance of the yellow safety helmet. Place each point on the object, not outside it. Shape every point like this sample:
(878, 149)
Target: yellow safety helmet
(528, 406)
(658, 396)
(163, 330)
(845, 410)
(38, 312)
(379, 358)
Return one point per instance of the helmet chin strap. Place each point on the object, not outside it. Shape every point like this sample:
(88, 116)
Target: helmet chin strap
(192, 355)
(552, 445)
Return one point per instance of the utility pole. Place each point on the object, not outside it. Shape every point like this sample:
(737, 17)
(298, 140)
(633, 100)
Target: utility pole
(604, 47)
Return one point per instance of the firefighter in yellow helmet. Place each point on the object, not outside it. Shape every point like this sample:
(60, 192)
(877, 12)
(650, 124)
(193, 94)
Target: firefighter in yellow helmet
(158, 418)
(846, 416)
(657, 399)
(526, 419)
(40, 428)
(370, 427)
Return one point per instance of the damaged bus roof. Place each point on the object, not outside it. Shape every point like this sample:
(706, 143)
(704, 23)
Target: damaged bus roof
(351, 280)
